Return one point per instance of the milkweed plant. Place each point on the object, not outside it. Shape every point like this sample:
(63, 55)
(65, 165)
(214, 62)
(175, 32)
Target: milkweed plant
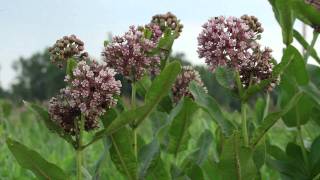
(92, 109)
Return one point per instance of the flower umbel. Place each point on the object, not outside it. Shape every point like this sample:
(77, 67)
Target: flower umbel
(65, 48)
(181, 86)
(232, 42)
(128, 55)
(91, 91)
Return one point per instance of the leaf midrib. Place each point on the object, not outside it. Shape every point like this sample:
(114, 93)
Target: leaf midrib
(123, 164)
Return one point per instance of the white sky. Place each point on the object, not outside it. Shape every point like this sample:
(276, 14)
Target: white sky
(30, 26)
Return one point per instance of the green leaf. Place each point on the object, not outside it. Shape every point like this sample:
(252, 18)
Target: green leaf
(33, 161)
(158, 171)
(6, 108)
(148, 157)
(108, 117)
(143, 85)
(236, 162)
(195, 172)
(53, 127)
(272, 118)
(286, 19)
(305, 45)
(306, 13)
(122, 154)
(314, 152)
(71, 64)
(162, 83)
(201, 152)
(225, 77)
(259, 155)
(209, 104)
(312, 91)
(179, 130)
(259, 110)
(298, 68)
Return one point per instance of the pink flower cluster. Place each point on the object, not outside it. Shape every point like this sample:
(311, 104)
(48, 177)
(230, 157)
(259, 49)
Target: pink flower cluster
(128, 54)
(91, 91)
(181, 86)
(226, 42)
(64, 115)
(232, 42)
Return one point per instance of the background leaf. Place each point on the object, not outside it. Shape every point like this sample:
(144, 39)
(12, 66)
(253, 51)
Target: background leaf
(33, 161)
(179, 130)
(122, 154)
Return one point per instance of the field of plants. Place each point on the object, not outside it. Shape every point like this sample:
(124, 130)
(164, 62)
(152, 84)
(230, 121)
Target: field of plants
(142, 112)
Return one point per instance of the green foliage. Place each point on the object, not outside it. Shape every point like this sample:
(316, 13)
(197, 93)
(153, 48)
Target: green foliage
(32, 160)
(179, 128)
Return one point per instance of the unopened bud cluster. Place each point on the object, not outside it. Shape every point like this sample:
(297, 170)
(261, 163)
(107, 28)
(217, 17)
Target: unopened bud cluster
(168, 20)
(181, 86)
(253, 23)
(65, 48)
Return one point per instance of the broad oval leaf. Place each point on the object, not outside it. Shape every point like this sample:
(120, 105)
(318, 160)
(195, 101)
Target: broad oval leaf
(208, 104)
(122, 154)
(30, 159)
(272, 118)
(286, 19)
(225, 77)
(179, 130)
(236, 161)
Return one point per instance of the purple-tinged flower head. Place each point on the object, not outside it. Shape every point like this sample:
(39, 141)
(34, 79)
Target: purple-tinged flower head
(226, 42)
(257, 69)
(181, 86)
(168, 20)
(63, 114)
(152, 32)
(92, 89)
(129, 55)
(232, 42)
(65, 48)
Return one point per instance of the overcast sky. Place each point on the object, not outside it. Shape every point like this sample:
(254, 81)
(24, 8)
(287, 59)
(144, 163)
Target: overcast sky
(28, 26)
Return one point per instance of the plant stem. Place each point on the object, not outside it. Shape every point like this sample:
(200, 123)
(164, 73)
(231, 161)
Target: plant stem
(79, 155)
(303, 148)
(133, 105)
(244, 124)
(313, 42)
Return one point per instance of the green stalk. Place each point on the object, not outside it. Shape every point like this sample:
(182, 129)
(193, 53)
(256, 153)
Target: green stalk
(79, 155)
(133, 105)
(244, 124)
(303, 148)
(313, 42)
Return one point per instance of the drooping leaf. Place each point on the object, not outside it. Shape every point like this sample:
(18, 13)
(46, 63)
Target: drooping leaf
(306, 12)
(179, 130)
(305, 45)
(53, 127)
(209, 104)
(272, 118)
(286, 19)
(122, 154)
(314, 152)
(148, 157)
(236, 161)
(30, 159)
